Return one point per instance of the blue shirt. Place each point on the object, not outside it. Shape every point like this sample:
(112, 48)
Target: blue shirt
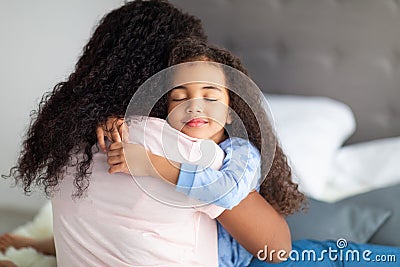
(227, 187)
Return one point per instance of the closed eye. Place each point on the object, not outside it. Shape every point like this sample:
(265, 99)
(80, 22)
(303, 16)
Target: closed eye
(179, 99)
(210, 99)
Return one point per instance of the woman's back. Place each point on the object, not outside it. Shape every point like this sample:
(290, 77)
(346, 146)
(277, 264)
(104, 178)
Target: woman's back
(118, 224)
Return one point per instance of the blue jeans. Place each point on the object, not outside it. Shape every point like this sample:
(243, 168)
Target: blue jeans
(309, 253)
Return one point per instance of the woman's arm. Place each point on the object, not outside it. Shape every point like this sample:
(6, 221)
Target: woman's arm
(259, 228)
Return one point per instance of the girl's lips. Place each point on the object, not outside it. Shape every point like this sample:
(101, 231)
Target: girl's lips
(196, 122)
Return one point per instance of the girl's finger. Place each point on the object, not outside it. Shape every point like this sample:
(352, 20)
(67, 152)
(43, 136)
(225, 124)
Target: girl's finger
(100, 138)
(115, 146)
(112, 126)
(123, 131)
(114, 160)
(115, 135)
(115, 152)
(116, 168)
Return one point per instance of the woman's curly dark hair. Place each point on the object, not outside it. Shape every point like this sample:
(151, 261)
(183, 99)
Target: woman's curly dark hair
(129, 45)
(277, 188)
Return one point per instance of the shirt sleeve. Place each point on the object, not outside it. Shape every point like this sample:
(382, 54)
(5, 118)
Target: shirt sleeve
(213, 211)
(240, 173)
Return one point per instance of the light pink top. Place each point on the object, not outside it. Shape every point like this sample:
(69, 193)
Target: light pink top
(118, 224)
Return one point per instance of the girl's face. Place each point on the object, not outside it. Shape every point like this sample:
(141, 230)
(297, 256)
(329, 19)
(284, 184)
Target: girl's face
(199, 109)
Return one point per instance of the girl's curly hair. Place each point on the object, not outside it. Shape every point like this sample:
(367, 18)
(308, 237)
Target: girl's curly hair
(129, 45)
(277, 188)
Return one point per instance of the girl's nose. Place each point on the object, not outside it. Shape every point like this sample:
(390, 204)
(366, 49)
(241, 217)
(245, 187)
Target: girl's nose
(194, 106)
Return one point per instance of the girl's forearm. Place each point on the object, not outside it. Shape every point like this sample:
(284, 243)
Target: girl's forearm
(164, 168)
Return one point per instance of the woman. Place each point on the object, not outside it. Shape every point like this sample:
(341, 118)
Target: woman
(131, 44)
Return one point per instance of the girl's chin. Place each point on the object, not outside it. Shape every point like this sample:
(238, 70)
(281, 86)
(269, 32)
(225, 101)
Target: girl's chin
(217, 137)
(194, 132)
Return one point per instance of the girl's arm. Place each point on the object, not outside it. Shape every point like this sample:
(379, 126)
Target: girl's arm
(226, 187)
(259, 228)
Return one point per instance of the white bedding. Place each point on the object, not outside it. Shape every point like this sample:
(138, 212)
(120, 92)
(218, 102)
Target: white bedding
(364, 166)
(312, 131)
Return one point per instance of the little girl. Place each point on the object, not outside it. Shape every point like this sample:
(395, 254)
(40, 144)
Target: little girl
(206, 119)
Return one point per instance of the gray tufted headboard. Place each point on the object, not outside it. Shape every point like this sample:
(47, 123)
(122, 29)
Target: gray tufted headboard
(348, 50)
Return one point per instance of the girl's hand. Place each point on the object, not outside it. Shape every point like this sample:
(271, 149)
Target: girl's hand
(116, 158)
(111, 129)
(139, 159)
(141, 162)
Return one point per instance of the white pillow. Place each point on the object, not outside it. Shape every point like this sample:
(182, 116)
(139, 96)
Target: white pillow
(363, 167)
(311, 130)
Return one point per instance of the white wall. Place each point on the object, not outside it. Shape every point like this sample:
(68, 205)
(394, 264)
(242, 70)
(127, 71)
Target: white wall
(40, 42)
